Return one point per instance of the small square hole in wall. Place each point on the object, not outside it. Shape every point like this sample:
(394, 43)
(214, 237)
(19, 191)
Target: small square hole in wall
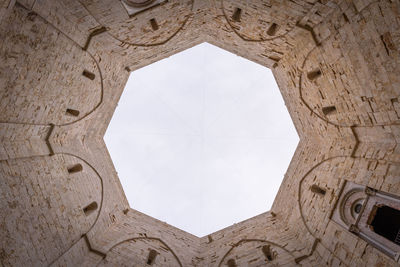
(202, 139)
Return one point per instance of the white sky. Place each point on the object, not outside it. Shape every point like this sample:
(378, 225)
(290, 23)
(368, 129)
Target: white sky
(201, 140)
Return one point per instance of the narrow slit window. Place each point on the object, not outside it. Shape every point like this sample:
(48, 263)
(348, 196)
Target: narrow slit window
(88, 74)
(272, 29)
(237, 14)
(73, 112)
(152, 257)
(76, 168)
(89, 209)
(231, 263)
(269, 255)
(154, 24)
(386, 223)
(312, 75)
(317, 190)
(357, 208)
(329, 110)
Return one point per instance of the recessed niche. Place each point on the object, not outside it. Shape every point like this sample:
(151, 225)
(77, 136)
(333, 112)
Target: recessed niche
(237, 14)
(89, 209)
(76, 168)
(72, 112)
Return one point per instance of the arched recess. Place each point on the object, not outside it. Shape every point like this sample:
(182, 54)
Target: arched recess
(156, 26)
(259, 21)
(137, 252)
(45, 207)
(350, 79)
(315, 207)
(45, 77)
(253, 252)
(331, 175)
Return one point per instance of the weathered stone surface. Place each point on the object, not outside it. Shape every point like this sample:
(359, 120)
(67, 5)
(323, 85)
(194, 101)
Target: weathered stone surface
(338, 68)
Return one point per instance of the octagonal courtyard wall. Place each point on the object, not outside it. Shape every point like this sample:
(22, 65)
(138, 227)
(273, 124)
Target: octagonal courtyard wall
(323, 37)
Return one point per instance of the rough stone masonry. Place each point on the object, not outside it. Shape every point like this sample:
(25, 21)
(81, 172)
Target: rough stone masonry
(64, 64)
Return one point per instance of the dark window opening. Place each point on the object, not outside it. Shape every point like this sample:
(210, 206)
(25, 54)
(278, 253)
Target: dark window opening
(272, 29)
(90, 208)
(346, 18)
(357, 208)
(312, 75)
(269, 255)
(88, 74)
(329, 110)
(75, 168)
(154, 24)
(231, 263)
(386, 223)
(72, 112)
(237, 14)
(152, 257)
(317, 190)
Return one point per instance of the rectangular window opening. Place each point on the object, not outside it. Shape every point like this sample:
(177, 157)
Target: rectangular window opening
(272, 29)
(386, 223)
(152, 257)
(75, 168)
(72, 112)
(329, 110)
(312, 75)
(231, 263)
(269, 255)
(89, 209)
(88, 74)
(317, 190)
(237, 14)
(154, 24)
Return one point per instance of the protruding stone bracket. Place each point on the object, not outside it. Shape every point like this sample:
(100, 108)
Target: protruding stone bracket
(314, 246)
(47, 140)
(354, 229)
(369, 191)
(101, 254)
(93, 34)
(311, 30)
(357, 143)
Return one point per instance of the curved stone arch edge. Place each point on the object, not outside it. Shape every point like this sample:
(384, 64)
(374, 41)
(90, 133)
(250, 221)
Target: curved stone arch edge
(134, 237)
(341, 188)
(101, 201)
(302, 74)
(252, 240)
(248, 39)
(17, 4)
(122, 42)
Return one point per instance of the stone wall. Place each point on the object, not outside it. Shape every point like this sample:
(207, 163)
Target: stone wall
(64, 65)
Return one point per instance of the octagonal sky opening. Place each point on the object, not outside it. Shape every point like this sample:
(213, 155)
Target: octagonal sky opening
(201, 140)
